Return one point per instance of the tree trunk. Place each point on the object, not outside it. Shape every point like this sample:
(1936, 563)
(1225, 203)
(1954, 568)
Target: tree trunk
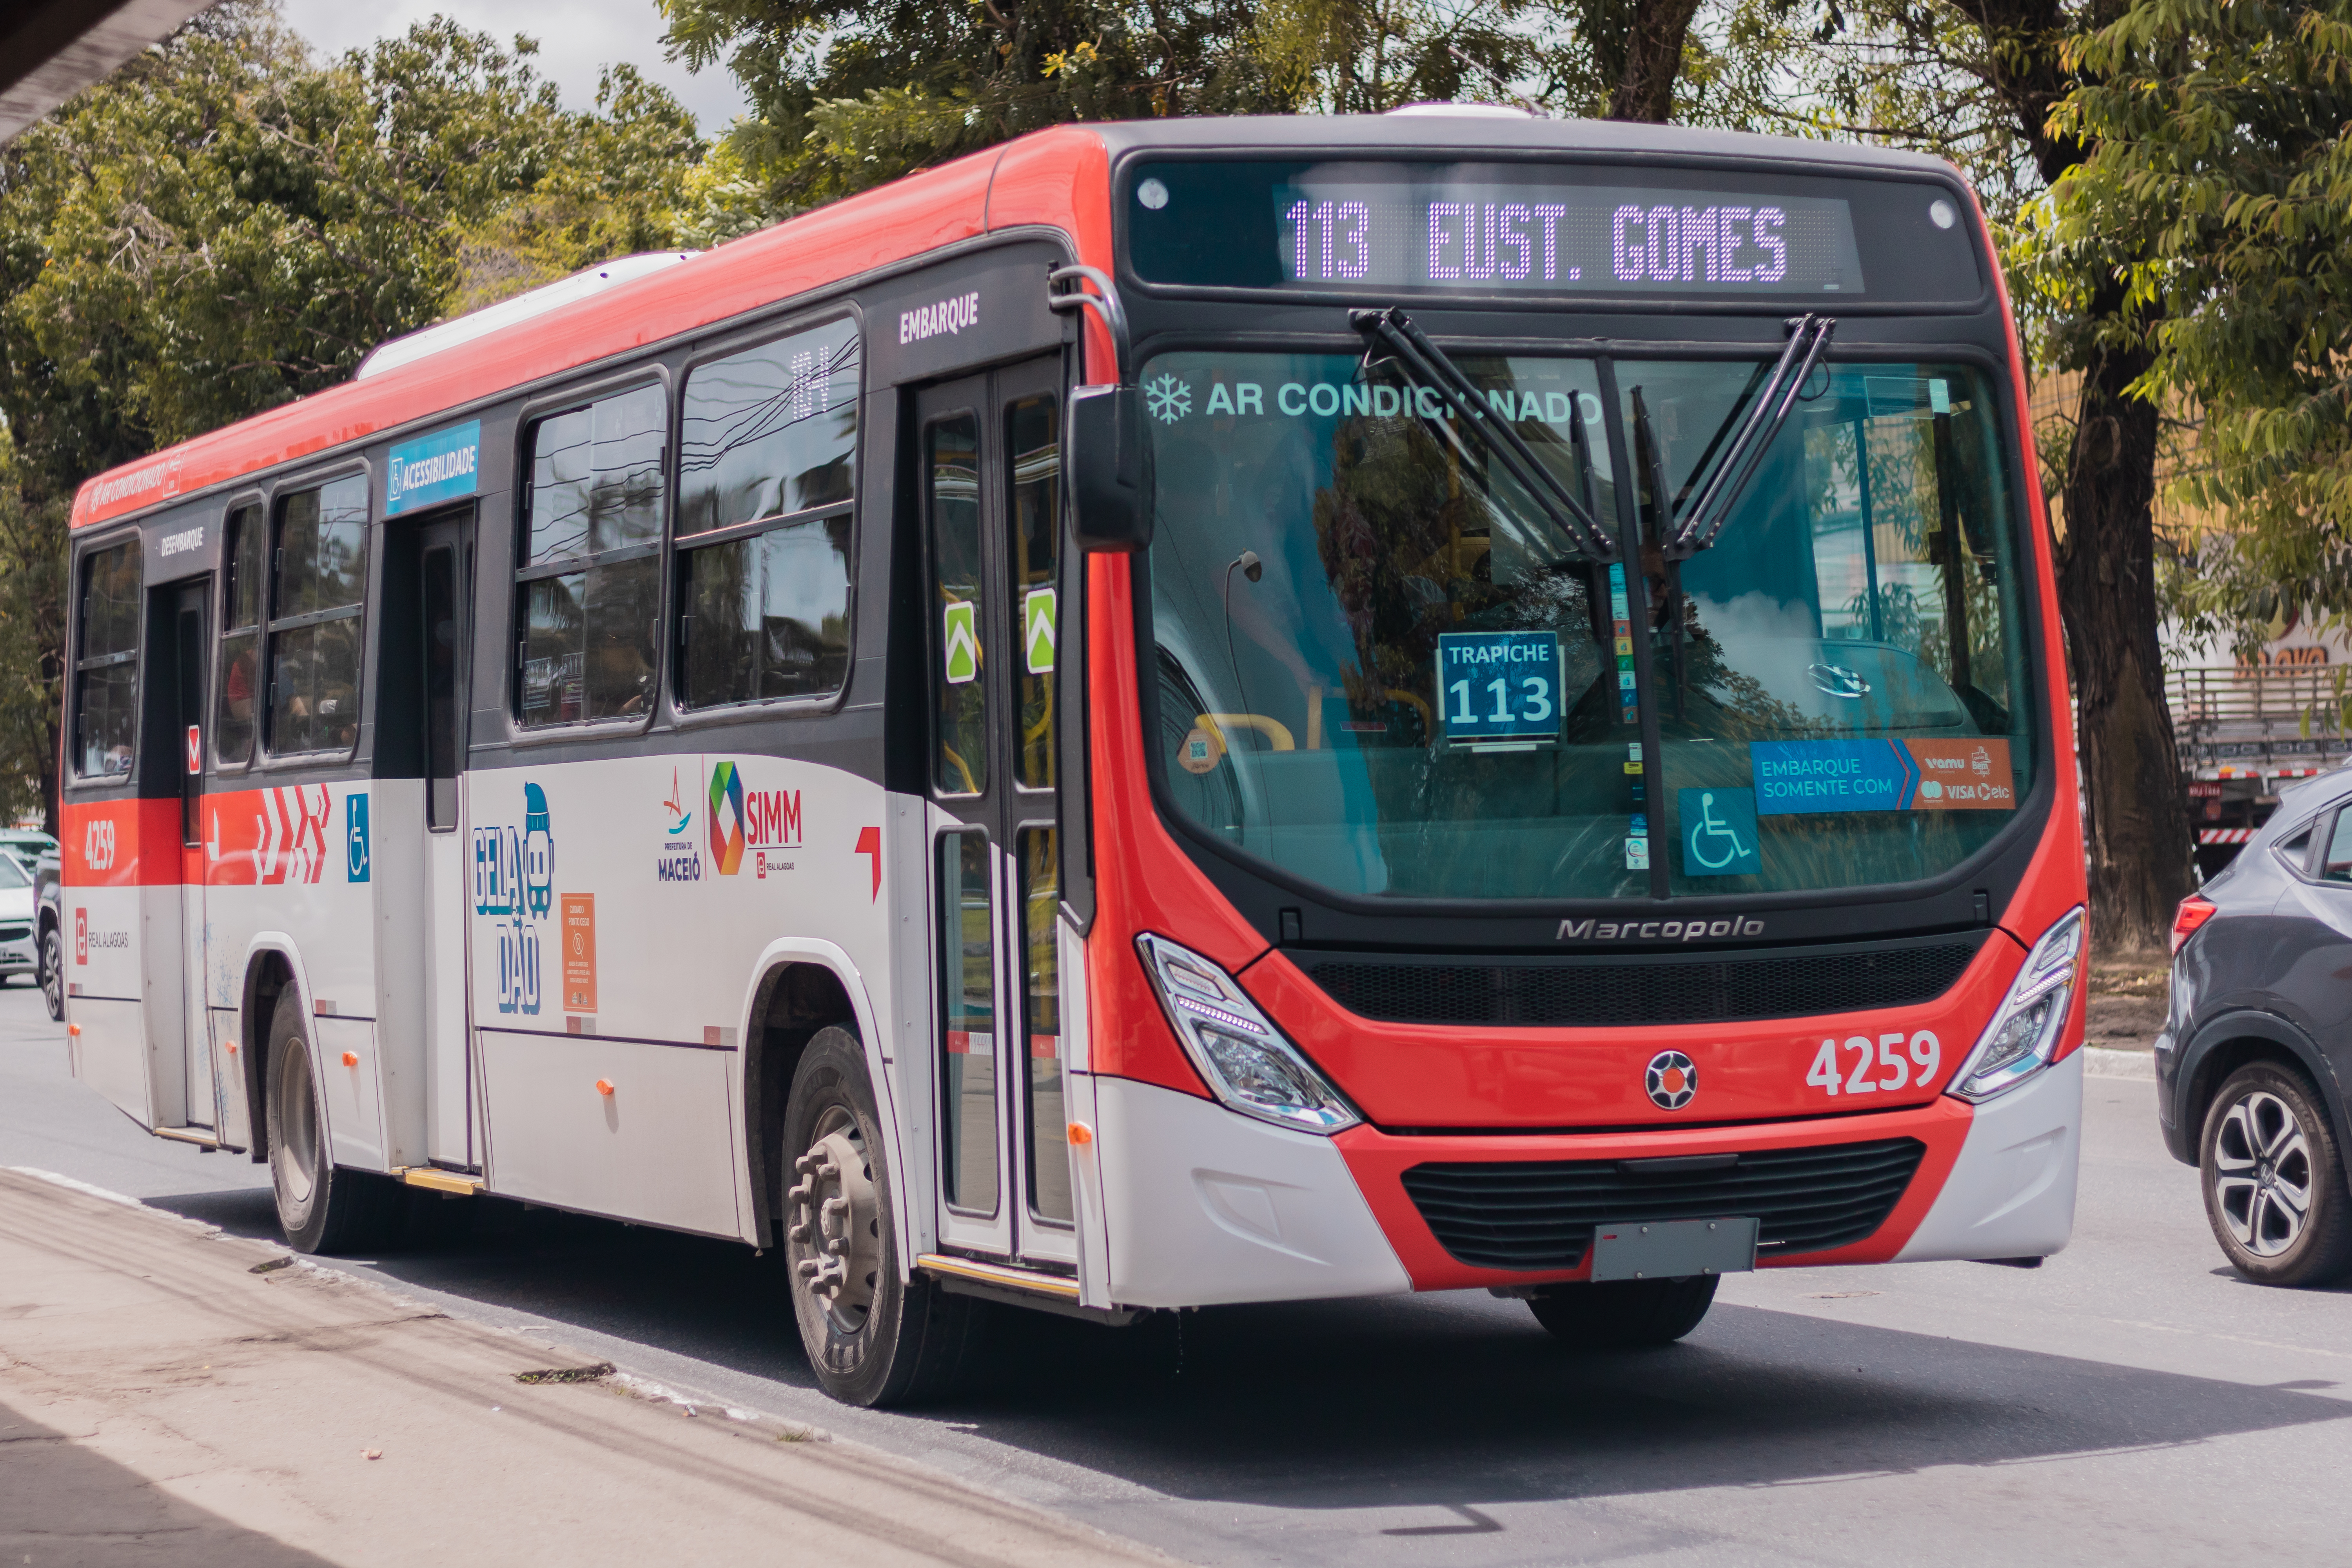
(2133, 815)
(1652, 59)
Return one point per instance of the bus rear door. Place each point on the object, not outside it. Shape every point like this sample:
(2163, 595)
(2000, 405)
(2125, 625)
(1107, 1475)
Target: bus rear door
(989, 470)
(190, 652)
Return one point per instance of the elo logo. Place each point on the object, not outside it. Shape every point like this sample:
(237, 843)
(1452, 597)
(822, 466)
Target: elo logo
(98, 844)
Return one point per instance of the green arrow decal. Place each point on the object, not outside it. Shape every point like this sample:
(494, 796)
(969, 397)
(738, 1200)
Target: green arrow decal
(962, 643)
(1037, 629)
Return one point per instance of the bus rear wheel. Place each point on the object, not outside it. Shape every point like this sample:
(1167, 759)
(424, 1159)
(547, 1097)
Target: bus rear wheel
(1624, 1314)
(319, 1207)
(873, 1338)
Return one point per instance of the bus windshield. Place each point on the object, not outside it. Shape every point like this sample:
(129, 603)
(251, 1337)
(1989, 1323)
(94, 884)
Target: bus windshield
(1381, 667)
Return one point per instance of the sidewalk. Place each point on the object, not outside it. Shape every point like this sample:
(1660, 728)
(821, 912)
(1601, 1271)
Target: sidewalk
(161, 1401)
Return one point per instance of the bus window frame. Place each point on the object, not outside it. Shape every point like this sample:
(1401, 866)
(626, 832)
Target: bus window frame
(607, 381)
(134, 536)
(2025, 829)
(1127, 167)
(265, 743)
(678, 546)
(263, 503)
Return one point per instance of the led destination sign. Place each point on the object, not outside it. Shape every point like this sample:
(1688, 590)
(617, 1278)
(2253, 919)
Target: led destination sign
(1594, 239)
(1535, 229)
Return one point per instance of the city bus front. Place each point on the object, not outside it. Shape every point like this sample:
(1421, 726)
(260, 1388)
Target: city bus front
(1580, 775)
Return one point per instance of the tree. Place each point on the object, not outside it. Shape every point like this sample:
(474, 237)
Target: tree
(845, 97)
(225, 224)
(2222, 156)
(1981, 83)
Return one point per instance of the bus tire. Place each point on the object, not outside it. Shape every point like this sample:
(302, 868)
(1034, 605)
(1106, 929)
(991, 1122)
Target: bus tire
(1624, 1314)
(872, 1338)
(319, 1207)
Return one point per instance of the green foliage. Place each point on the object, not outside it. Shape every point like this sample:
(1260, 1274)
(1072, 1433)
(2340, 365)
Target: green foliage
(2224, 166)
(227, 224)
(846, 97)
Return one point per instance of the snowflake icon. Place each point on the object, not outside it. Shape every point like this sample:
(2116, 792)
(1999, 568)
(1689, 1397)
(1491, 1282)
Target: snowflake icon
(1168, 398)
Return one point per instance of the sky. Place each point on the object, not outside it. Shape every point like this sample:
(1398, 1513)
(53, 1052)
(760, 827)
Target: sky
(576, 40)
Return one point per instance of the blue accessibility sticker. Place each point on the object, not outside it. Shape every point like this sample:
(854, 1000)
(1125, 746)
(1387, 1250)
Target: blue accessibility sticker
(1499, 686)
(434, 468)
(1794, 776)
(1718, 832)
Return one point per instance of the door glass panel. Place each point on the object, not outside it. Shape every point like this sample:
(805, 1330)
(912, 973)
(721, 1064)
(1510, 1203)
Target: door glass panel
(967, 1023)
(1032, 432)
(189, 654)
(240, 637)
(1049, 1149)
(951, 499)
(441, 688)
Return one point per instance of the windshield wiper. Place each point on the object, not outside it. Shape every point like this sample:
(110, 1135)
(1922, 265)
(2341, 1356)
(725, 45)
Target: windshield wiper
(1808, 336)
(1425, 362)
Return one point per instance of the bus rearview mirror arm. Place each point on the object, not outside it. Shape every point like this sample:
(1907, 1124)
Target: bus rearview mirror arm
(1103, 450)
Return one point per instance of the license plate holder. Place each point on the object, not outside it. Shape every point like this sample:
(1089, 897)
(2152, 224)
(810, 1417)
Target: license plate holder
(1673, 1249)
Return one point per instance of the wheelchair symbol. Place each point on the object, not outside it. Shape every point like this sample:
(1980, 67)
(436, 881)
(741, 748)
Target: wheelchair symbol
(1709, 829)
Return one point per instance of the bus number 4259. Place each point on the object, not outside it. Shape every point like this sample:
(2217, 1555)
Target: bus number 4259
(1877, 1065)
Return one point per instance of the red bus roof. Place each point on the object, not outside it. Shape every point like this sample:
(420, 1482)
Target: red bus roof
(1059, 178)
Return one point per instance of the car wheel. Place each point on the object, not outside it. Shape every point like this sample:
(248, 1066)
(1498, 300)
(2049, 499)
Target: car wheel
(2274, 1180)
(319, 1207)
(872, 1337)
(1624, 1314)
(53, 972)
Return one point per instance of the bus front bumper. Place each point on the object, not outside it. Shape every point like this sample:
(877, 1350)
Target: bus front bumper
(1204, 1206)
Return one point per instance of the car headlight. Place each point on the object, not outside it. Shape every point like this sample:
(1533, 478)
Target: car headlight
(2023, 1033)
(1247, 1063)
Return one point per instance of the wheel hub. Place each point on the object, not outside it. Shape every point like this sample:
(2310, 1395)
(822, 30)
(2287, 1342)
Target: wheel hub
(2263, 1175)
(836, 1236)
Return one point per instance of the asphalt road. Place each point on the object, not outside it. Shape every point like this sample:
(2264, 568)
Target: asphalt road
(2132, 1400)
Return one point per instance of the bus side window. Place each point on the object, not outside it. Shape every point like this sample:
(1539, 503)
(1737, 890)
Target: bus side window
(767, 451)
(240, 649)
(320, 577)
(591, 574)
(105, 673)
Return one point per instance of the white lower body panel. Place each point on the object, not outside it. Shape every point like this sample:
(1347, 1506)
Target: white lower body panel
(1204, 1206)
(2011, 1191)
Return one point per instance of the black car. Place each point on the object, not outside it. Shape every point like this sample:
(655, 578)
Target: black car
(2258, 1042)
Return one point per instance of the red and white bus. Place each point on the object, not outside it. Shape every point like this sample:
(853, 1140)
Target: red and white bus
(1167, 715)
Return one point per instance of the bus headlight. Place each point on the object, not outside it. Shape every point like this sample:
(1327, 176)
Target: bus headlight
(1247, 1063)
(2023, 1033)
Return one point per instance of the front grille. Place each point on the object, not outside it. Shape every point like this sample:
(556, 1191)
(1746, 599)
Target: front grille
(1541, 1214)
(14, 934)
(1641, 989)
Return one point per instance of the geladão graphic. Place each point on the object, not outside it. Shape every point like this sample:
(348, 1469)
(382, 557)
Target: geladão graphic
(514, 871)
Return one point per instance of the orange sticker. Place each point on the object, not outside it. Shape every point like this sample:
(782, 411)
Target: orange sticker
(579, 952)
(1965, 774)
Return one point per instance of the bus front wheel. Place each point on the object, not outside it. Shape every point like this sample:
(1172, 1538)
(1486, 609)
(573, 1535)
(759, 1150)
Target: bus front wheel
(1624, 1314)
(319, 1207)
(873, 1338)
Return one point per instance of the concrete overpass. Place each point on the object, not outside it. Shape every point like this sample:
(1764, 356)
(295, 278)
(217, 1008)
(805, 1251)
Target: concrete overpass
(51, 49)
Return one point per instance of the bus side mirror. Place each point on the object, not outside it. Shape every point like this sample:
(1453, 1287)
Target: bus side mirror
(1110, 500)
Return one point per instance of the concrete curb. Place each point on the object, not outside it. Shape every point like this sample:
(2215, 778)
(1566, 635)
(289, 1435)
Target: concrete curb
(2099, 1062)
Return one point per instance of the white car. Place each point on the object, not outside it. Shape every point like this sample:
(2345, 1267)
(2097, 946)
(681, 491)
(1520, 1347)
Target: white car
(18, 953)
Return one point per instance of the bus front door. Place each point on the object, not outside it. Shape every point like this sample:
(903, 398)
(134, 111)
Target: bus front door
(989, 463)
